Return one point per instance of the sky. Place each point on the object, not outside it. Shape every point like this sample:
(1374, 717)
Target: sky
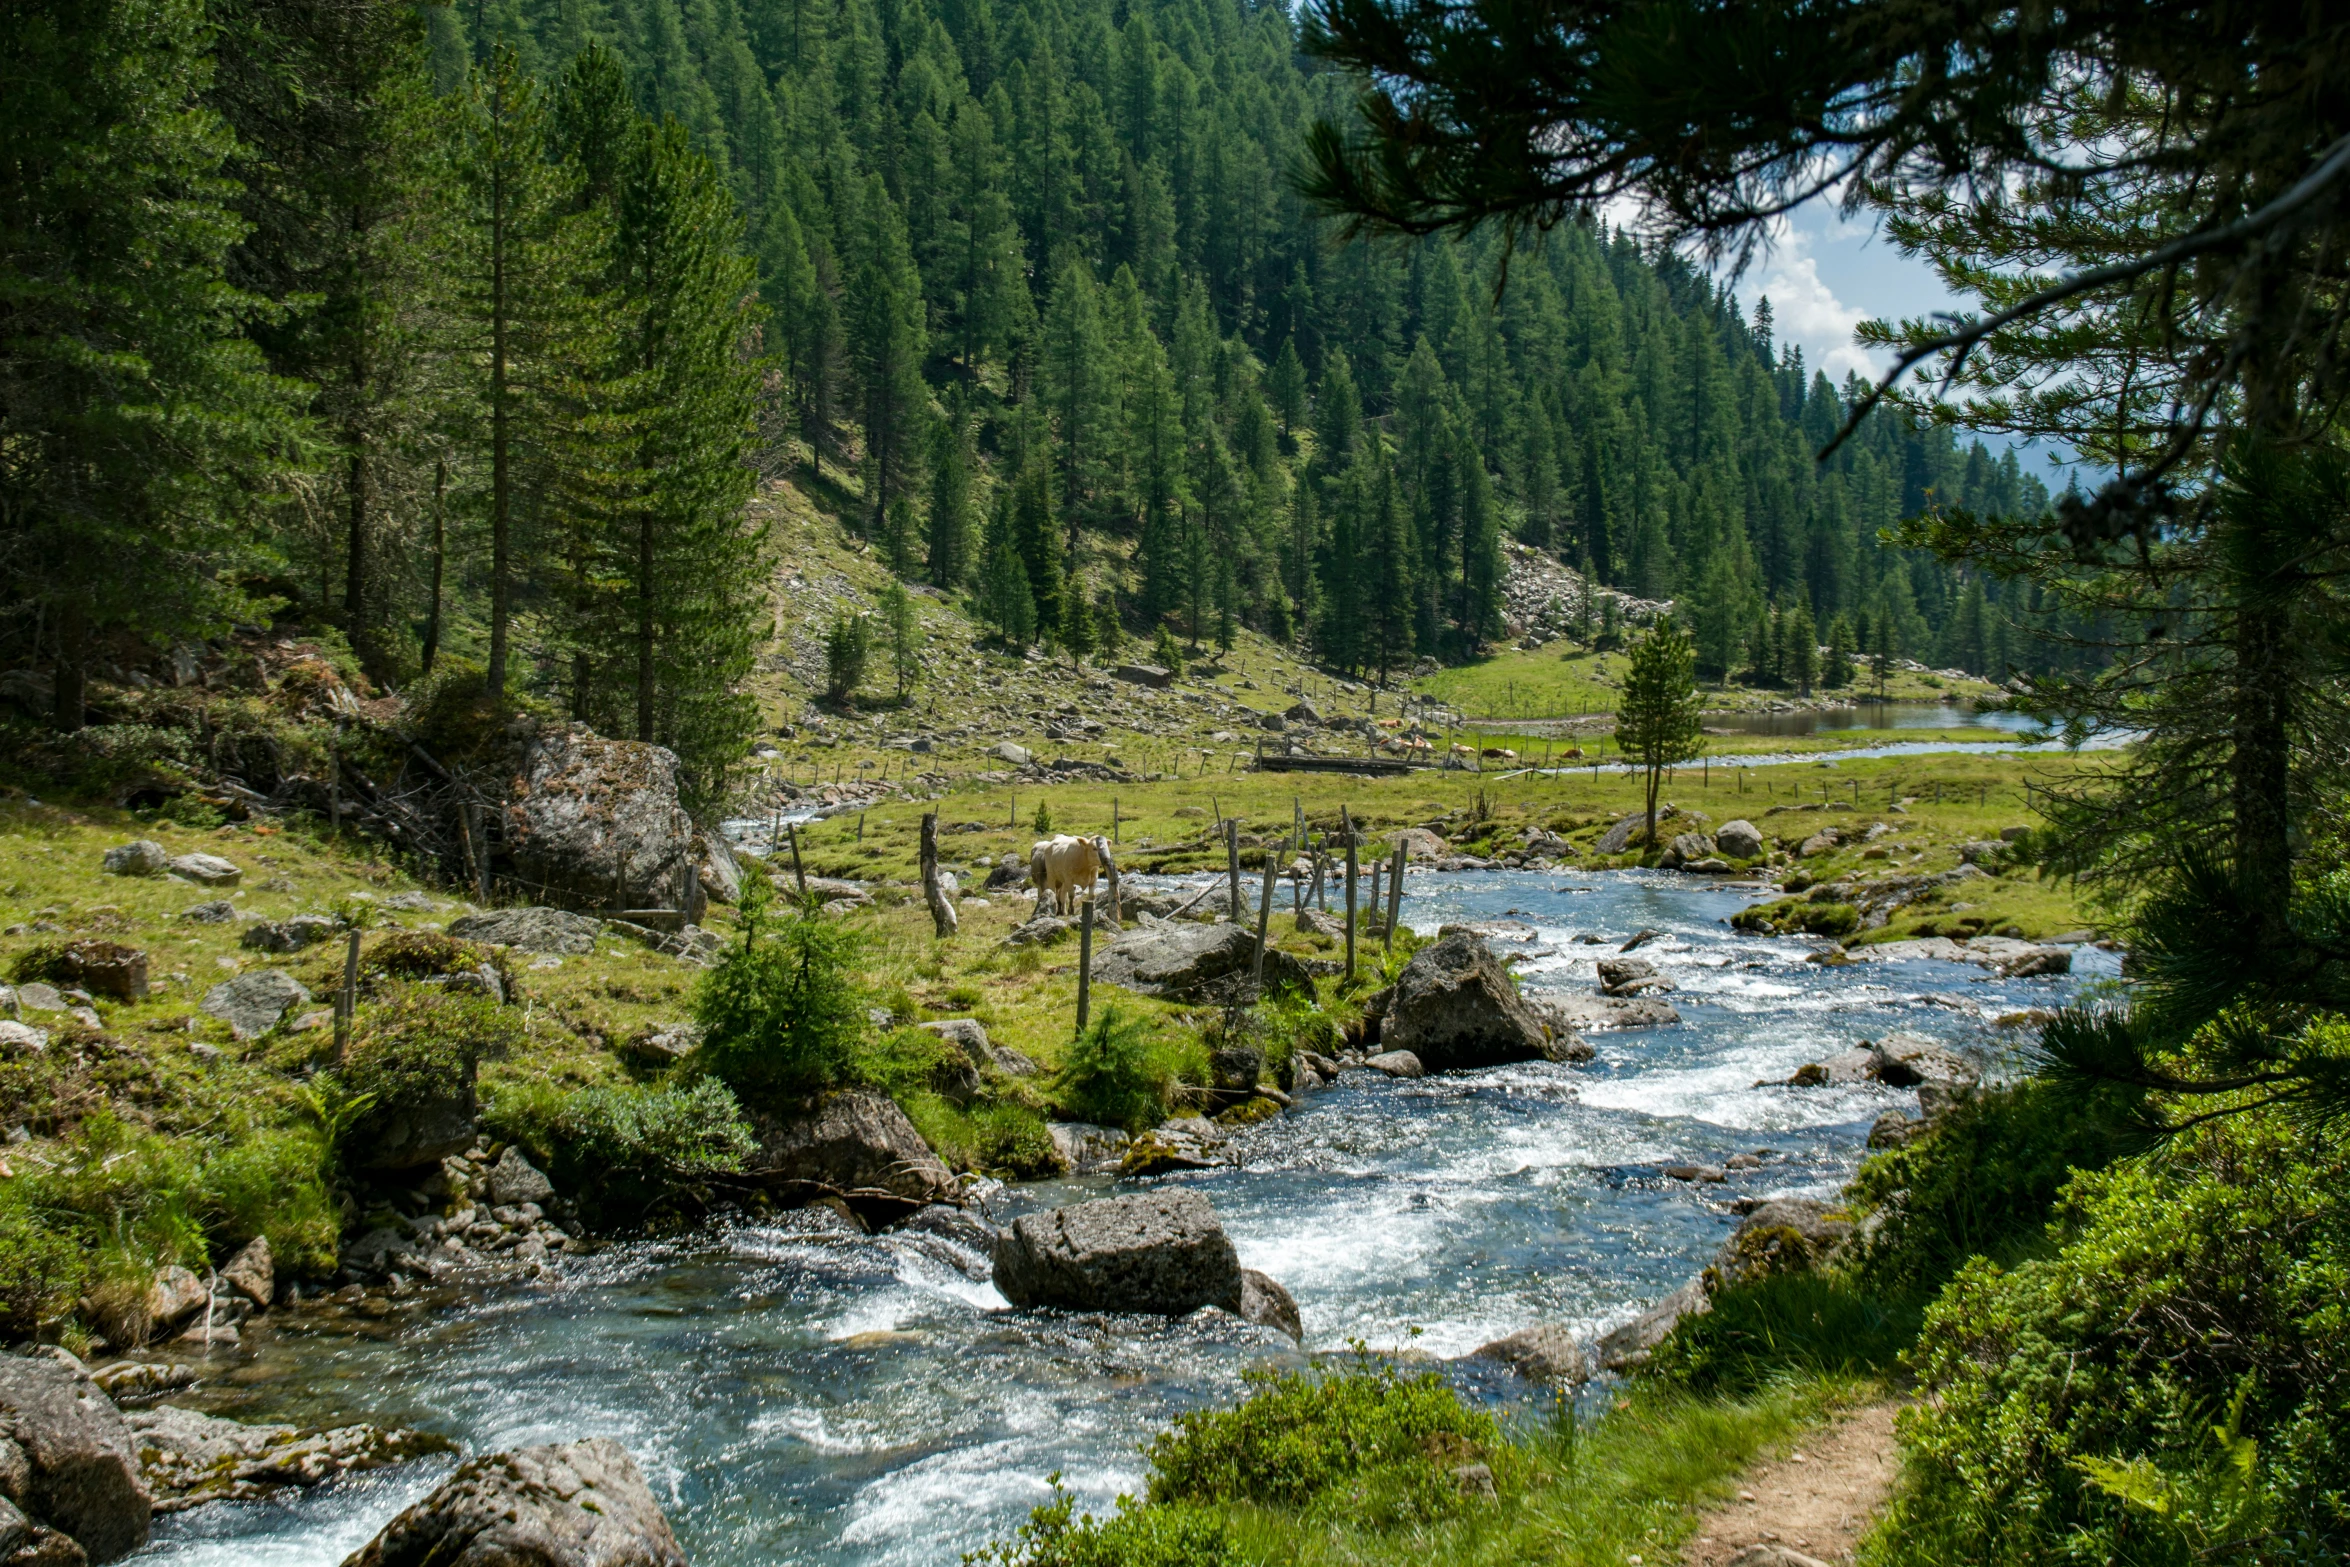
(1824, 274)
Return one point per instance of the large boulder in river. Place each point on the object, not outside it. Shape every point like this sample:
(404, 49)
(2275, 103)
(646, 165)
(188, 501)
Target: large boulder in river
(596, 823)
(1193, 961)
(1739, 840)
(1454, 1006)
(582, 1504)
(1162, 1252)
(1906, 1060)
(1628, 1347)
(856, 1144)
(67, 1459)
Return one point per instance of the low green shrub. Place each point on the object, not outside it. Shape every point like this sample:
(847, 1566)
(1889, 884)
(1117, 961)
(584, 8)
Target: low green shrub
(1807, 1323)
(1798, 917)
(622, 1150)
(42, 1271)
(1056, 1535)
(1982, 1182)
(421, 954)
(782, 1011)
(419, 1046)
(1300, 1434)
(2167, 1387)
(1111, 1075)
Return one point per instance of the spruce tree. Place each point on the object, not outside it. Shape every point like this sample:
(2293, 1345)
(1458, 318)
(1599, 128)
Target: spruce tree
(137, 422)
(1037, 541)
(1285, 387)
(1077, 619)
(890, 343)
(1077, 374)
(904, 630)
(1388, 599)
(1838, 671)
(949, 525)
(1803, 649)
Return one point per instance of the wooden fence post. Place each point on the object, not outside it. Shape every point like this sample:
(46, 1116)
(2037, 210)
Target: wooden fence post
(1395, 891)
(1347, 826)
(346, 999)
(1084, 964)
(798, 870)
(1232, 868)
(1256, 968)
(943, 918)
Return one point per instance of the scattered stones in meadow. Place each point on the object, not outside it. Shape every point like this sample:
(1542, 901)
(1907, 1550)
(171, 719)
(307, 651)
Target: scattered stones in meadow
(290, 935)
(581, 1504)
(531, 930)
(253, 1004)
(219, 911)
(139, 857)
(205, 870)
(21, 1039)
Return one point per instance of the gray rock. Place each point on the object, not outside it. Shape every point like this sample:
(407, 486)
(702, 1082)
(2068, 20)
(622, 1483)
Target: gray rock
(855, 1143)
(1628, 1347)
(1906, 1060)
(1893, 1130)
(206, 870)
(1454, 1006)
(1783, 1235)
(532, 930)
(514, 1180)
(252, 1273)
(1618, 838)
(139, 857)
(1011, 753)
(1041, 931)
(583, 1504)
(2037, 962)
(1546, 1352)
(1272, 723)
(22, 1039)
(596, 820)
(1686, 849)
(188, 1459)
(39, 997)
(15, 1528)
(1146, 675)
(1162, 1252)
(1189, 961)
(253, 1004)
(1767, 1554)
(663, 1044)
(412, 901)
(1085, 1149)
(970, 1036)
(1474, 1479)
(293, 935)
(1623, 977)
(1397, 1063)
(1264, 1302)
(1603, 1012)
(1739, 840)
(1236, 1068)
(1303, 711)
(1858, 1065)
(81, 1469)
(217, 912)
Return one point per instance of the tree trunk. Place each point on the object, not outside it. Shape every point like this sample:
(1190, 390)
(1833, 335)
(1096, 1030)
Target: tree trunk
(73, 653)
(440, 560)
(357, 480)
(501, 435)
(942, 912)
(2260, 765)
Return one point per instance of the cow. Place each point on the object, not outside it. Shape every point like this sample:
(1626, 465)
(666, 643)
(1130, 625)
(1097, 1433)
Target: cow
(1064, 868)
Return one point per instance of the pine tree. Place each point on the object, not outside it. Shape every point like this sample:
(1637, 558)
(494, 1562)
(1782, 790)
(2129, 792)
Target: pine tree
(1285, 385)
(137, 422)
(890, 344)
(1803, 649)
(1300, 577)
(1838, 672)
(1036, 540)
(1006, 600)
(1389, 598)
(948, 557)
(1077, 623)
(1076, 375)
(1109, 629)
(1482, 567)
(847, 645)
(1657, 716)
(904, 629)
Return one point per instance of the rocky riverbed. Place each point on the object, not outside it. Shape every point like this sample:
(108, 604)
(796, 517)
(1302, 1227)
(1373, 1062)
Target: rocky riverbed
(802, 1390)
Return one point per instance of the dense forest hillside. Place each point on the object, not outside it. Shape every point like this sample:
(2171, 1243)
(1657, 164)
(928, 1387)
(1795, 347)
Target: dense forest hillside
(468, 331)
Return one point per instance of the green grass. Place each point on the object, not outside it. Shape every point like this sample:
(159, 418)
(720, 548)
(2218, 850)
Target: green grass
(1561, 680)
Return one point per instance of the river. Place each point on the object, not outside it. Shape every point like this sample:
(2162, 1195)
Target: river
(797, 1394)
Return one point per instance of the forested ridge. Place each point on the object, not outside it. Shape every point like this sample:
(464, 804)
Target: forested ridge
(467, 330)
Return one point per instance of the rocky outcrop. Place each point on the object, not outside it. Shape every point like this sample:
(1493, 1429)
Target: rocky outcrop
(1547, 1352)
(1628, 1347)
(1686, 848)
(1191, 962)
(1454, 1006)
(253, 1004)
(188, 1459)
(531, 930)
(1161, 1252)
(66, 1457)
(597, 823)
(855, 1144)
(582, 1504)
(1784, 1235)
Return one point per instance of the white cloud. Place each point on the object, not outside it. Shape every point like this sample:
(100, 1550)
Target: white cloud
(1807, 311)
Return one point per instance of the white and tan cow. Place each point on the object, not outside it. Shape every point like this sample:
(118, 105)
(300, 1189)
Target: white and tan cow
(1066, 868)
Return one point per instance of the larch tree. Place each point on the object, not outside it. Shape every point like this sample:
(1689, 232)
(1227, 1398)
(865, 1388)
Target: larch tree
(1657, 715)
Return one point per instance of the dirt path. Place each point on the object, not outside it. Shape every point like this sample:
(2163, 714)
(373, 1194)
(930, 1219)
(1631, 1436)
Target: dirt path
(1818, 1499)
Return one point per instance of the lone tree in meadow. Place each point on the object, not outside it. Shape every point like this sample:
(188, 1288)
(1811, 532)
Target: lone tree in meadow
(1657, 720)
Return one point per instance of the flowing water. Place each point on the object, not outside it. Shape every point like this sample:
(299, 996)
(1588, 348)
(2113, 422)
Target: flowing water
(797, 1394)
